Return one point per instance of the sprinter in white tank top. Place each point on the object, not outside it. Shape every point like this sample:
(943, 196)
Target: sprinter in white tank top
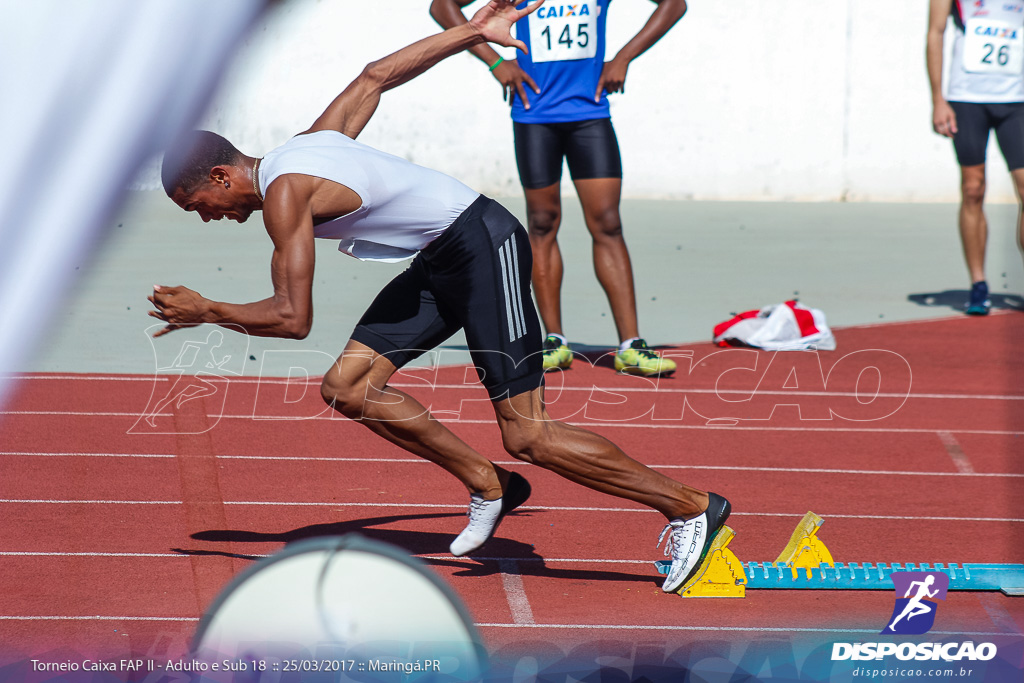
(472, 271)
(984, 91)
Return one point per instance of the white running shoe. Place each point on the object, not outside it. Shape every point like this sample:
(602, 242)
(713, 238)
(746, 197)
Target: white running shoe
(689, 540)
(485, 515)
(483, 518)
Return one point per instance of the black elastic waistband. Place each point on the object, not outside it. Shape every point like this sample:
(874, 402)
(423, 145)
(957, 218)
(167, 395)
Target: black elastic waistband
(477, 208)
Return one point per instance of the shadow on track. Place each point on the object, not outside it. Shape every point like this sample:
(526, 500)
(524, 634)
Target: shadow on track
(956, 300)
(498, 554)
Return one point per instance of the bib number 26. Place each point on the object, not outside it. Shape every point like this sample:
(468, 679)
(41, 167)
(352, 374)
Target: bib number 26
(561, 31)
(994, 47)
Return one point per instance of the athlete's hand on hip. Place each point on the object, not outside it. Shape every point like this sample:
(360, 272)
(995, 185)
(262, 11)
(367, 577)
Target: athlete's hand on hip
(494, 21)
(513, 79)
(176, 306)
(944, 119)
(613, 77)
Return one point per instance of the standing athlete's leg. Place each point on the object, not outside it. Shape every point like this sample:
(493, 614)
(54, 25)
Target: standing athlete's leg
(1010, 134)
(970, 142)
(539, 153)
(544, 215)
(1018, 183)
(592, 151)
(973, 226)
(600, 200)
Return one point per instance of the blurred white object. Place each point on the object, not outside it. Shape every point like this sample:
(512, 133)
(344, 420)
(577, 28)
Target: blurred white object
(788, 326)
(343, 605)
(90, 90)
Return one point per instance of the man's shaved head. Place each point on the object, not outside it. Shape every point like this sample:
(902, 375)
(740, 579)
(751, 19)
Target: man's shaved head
(188, 163)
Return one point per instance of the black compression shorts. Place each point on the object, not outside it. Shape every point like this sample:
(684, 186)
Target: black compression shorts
(973, 122)
(590, 147)
(476, 276)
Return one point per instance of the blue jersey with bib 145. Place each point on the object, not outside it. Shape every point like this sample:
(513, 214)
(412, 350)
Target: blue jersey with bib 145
(566, 41)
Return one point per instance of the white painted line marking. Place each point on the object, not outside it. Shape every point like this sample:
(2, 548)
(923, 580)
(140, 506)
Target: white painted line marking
(515, 592)
(444, 506)
(89, 455)
(514, 463)
(603, 389)
(26, 553)
(960, 460)
(769, 629)
(615, 627)
(641, 425)
(10, 617)
(1000, 616)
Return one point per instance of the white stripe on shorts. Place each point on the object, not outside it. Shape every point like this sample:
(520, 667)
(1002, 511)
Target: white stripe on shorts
(513, 299)
(504, 281)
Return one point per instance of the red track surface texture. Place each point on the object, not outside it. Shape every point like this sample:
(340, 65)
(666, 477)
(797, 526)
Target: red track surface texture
(115, 538)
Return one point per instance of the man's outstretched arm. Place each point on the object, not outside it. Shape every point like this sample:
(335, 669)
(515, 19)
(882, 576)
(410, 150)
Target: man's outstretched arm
(352, 109)
(448, 13)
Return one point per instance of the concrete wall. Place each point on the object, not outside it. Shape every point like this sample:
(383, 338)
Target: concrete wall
(743, 100)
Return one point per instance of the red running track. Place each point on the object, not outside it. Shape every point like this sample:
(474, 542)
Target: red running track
(908, 440)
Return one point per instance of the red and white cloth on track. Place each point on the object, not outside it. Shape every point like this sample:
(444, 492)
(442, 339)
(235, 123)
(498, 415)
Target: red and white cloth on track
(789, 326)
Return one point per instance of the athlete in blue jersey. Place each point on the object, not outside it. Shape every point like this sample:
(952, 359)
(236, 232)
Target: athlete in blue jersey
(558, 94)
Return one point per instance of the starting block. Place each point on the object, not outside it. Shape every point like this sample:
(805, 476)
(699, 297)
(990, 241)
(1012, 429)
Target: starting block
(723, 575)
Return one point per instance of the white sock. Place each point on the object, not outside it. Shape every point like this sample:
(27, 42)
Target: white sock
(625, 345)
(560, 338)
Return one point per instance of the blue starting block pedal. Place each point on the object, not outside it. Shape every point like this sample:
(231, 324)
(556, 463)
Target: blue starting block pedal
(807, 564)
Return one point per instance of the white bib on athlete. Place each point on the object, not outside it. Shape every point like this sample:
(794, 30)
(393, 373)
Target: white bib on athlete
(404, 208)
(988, 53)
(561, 31)
(993, 47)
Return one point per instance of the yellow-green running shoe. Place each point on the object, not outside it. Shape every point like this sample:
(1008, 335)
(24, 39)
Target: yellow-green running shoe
(557, 355)
(638, 359)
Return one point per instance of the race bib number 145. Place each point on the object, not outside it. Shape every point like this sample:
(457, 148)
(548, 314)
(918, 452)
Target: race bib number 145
(560, 31)
(995, 47)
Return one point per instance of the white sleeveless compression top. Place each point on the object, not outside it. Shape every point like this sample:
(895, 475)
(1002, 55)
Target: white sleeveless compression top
(988, 52)
(405, 206)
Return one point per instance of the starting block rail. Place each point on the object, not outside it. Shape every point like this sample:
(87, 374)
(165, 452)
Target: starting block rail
(807, 564)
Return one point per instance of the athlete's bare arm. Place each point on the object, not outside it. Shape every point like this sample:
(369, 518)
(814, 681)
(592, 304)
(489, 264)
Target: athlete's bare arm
(664, 17)
(352, 109)
(943, 118)
(448, 13)
(288, 313)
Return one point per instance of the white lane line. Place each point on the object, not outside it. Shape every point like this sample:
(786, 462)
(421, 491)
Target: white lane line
(90, 455)
(998, 614)
(18, 617)
(513, 463)
(956, 452)
(515, 592)
(445, 506)
(641, 425)
(768, 629)
(27, 553)
(602, 627)
(601, 389)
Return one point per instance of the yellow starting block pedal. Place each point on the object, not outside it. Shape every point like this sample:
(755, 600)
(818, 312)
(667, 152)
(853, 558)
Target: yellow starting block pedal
(721, 573)
(805, 550)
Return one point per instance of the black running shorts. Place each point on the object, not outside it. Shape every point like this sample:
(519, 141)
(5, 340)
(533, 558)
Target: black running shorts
(476, 276)
(973, 122)
(590, 147)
